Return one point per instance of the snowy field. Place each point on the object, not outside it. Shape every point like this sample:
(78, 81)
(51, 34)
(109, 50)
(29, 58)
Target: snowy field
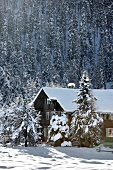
(53, 158)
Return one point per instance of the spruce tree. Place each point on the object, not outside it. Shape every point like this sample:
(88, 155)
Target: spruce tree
(5, 124)
(25, 123)
(59, 131)
(86, 122)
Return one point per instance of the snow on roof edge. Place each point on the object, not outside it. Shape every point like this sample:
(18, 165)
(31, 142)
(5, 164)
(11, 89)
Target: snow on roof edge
(97, 93)
(31, 103)
(54, 98)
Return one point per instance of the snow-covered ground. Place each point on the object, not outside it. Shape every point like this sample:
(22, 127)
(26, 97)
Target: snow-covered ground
(45, 157)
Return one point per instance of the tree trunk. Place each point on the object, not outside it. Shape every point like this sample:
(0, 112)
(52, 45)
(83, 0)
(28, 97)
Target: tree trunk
(3, 140)
(26, 137)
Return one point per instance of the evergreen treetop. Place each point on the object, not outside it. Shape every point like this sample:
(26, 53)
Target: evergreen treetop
(86, 122)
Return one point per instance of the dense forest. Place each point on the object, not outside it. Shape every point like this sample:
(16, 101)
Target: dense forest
(51, 42)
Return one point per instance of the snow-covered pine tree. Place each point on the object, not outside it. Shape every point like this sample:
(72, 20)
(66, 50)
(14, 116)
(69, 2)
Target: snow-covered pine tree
(86, 122)
(59, 131)
(5, 124)
(25, 123)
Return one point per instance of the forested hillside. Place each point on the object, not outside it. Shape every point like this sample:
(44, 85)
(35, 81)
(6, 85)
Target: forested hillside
(51, 42)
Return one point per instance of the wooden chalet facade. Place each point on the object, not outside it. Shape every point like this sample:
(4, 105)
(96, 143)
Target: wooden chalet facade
(60, 100)
(108, 125)
(46, 107)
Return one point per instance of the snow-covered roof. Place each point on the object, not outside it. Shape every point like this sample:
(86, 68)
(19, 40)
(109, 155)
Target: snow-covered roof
(104, 101)
(66, 96)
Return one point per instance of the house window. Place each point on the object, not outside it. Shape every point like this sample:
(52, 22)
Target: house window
(51, 114)
(45, 132)
(109, 132)
(48, 101)
(45, 101)
(47, 115)
(105, 117)
(111, 117)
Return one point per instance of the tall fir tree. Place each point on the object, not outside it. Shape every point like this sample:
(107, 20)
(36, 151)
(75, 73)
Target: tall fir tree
(86, 122)
(25, 123)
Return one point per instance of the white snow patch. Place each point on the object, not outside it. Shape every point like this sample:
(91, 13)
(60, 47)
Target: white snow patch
(44, 157)
(57, 136)
(66, 143)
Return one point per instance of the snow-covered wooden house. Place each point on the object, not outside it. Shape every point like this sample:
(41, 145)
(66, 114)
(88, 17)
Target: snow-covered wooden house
(62, 100)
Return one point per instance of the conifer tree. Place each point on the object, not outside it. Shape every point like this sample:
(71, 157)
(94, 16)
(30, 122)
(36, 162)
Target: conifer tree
(47, 39)
(25, 123)
(5, 124)
(86, 122)
(59, 130)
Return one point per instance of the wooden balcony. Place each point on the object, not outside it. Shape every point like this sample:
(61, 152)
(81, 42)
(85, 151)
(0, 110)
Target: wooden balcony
(49, 107)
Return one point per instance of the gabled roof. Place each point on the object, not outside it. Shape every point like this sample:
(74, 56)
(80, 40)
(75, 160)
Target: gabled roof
(66, 96)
